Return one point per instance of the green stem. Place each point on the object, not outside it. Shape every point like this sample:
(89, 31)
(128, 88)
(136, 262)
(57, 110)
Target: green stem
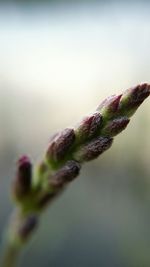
(10, 256)
(10, 248)
(20, 226)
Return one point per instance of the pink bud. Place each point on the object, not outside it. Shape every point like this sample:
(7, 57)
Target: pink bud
(93, 149)
(88, 127)
(60, 144)
(133, 98)
(110, 105)
(58, 181)
(66, 174)
(27, 227)
(115, 126)
(22, 181)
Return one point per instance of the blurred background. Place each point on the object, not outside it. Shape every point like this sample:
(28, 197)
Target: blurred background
(58, 60)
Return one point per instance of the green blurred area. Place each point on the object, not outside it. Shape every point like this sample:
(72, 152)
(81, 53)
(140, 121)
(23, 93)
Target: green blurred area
(56, 64)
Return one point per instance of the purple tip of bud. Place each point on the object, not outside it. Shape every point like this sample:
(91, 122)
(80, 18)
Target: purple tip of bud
(140, 93)
(136, 95)
(60, 144)
(72, 168)
(23, 160)
(89, 126)
(93, 149)
(27, 227)
(115, 126)
(23, 177)
(110, 103)
(24, 166)
(66, 174)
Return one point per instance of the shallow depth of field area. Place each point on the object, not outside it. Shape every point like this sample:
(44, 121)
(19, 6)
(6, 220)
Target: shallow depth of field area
(58, 61)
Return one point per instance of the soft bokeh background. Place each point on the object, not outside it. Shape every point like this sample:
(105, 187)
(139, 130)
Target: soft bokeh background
(58, 60)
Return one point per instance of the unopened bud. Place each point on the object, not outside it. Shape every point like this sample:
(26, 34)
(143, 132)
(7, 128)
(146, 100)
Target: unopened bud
(66, 174)
(133, 98)
(93, 149)
(109, 106)
(88, 127)
(28, 225)
(116, 126)
(60, 144)
(22, 181)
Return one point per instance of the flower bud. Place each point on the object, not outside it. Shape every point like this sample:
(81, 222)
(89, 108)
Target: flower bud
(22, 181)
(88, 127)
(27, 226)
(57, 182)
(109, 106)
(93, 149)
(60, 145)
(133, 98)
(114, 127)
(66, 174)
